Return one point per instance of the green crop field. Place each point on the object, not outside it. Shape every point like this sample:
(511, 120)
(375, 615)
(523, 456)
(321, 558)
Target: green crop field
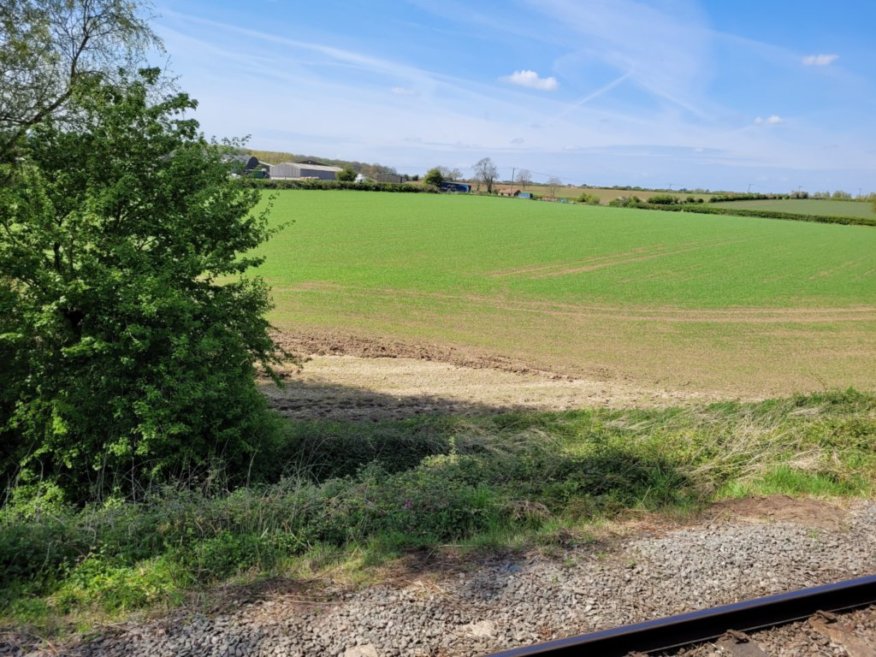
(824, 207)
(699, 302)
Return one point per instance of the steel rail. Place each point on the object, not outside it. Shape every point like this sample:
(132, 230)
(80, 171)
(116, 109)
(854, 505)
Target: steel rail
(695, 627)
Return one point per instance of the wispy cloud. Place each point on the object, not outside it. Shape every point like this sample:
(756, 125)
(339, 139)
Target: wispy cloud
(772, 119)
(593, 95)
(341, 56)
(665, 53)
(820, 60)
(627, 73)
(531, 80)
(405, 79)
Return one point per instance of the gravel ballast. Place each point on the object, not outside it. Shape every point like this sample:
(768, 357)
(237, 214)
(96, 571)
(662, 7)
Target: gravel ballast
(509, 602)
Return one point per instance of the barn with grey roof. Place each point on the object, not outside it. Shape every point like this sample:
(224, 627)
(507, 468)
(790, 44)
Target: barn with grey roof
(297, 170)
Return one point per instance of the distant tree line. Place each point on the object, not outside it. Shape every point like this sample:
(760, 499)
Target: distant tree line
(669, 199)
(369, 170)
(748, 196)
(364, 186)
(838, 195)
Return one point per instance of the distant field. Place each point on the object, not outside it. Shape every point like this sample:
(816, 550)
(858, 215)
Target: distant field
(823, 207)
(700, 302)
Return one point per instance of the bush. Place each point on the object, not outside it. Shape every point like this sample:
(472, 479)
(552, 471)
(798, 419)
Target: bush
(434, 177)
(589, 199)
(347, 174)
(664, 199)
(106, 584)
(626, 202)
(134, 342)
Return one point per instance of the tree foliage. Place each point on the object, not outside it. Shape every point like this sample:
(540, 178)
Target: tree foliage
(434, 177)
(450, 174)
(126, 317)
(486, 173)
(49, 47)
(438, 175)
(524, 177)
(347, 174)
(664, 199)
(589, 199)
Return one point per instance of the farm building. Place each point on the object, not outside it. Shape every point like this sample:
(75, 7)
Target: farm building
(242, 163)
(295, 170)
(450, 186)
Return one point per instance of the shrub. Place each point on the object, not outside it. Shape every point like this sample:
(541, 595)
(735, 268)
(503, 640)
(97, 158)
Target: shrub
(434, 177)
(626, 202)
(347, 174)
(664, 199)
(135, 340)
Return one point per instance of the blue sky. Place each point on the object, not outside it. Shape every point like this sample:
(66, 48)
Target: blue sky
(724, 94)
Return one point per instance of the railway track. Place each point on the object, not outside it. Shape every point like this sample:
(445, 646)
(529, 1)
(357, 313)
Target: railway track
(728, 625)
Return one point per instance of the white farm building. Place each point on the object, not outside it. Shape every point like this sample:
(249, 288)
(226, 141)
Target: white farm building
(297, 170)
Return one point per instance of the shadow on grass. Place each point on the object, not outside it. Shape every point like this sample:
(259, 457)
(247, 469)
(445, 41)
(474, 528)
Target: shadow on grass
(414, 486)
(349, 428)
(334, 430)
(299, 400)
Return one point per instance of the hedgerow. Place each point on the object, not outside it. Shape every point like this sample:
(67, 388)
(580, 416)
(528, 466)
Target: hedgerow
(261, 183)
(767, 214)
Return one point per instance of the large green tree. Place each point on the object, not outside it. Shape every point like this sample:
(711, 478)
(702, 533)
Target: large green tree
(130, 327)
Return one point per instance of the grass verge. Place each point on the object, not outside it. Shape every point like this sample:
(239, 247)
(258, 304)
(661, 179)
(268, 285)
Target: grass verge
(362, 494)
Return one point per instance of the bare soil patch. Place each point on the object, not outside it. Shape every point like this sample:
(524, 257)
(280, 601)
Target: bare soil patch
(329, 343)
(805, 511)
(355, 378)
